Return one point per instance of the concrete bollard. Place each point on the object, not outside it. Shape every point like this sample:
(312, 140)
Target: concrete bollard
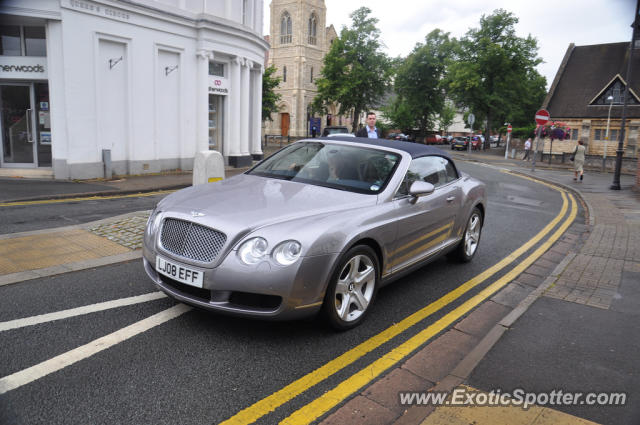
(106, 163)
(513, 153)
(208, 167)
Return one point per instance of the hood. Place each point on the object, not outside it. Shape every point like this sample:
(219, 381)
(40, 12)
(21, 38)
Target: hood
(246, 202)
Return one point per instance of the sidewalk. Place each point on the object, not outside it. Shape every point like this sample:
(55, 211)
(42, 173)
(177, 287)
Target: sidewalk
(568, 321)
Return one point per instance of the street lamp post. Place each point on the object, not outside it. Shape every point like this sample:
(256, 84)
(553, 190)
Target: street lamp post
(616, 174)
(606, 136)
(506, 151)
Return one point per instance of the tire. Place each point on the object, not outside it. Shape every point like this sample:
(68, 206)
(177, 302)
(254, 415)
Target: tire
(355, 280)
(468, 246)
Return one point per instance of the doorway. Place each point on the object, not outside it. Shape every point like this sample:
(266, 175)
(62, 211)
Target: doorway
(25, 125)
(284, 124)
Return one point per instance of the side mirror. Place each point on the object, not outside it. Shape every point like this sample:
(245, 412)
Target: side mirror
(418, 189)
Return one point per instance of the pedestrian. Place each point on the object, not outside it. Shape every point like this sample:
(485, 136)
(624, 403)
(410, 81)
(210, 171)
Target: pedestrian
(527, 149)
(314, 131)
(370, 130)
(578, 160)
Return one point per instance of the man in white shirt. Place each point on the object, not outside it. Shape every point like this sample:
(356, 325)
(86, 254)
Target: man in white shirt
(527, 149)
(370, 129)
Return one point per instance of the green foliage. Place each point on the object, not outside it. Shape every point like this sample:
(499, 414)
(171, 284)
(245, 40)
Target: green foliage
(399, 114)
(418, 81)
(355, 72)
(493, 72)
(447, 115)
(270, 98)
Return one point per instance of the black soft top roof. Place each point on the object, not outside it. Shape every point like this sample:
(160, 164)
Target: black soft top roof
(414, 149)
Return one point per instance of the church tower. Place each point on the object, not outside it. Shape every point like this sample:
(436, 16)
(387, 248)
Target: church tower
(299, 40)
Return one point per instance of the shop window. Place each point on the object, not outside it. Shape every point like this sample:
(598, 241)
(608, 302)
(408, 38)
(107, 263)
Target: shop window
(18, 40)
(10, 40)
(216, 69)
(35, 41)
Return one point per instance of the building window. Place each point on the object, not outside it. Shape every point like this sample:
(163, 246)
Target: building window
(284, 74)
(574, 134)
(285, 28)
(615, 91)
(35, 42)
(216, 69)
(18, 40)
(311, 75)
(244, 12)
(600, 134)
(312, 29)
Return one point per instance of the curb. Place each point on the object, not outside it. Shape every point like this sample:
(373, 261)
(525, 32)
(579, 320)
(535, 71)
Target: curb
(464, 368)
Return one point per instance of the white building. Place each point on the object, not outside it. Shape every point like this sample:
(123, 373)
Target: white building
(147, 83)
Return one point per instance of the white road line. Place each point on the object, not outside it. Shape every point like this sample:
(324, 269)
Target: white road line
(64, 314)
(40, 370)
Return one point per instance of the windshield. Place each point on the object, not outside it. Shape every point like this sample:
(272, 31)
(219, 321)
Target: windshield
(356, 169)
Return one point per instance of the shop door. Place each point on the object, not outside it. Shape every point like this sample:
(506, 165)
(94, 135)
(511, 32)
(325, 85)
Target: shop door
(17, 125)
(284, 124)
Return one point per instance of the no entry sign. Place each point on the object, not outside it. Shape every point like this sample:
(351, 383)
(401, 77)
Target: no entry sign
(509, 128)
(542, 117)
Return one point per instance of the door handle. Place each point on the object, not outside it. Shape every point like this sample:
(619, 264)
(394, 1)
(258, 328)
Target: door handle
(451, 198)
(27, 116)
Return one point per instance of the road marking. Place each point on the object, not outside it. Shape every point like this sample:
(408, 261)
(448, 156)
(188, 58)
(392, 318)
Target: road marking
(335, 396)
(292, 390)
(25, 376)
(65, 314)
(87, 198)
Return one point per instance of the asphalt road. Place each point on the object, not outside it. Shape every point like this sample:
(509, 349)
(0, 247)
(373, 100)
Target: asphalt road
(205, 368)
(46, 215)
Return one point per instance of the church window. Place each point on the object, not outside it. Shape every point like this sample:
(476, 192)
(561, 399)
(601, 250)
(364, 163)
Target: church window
(285, 28)
(313, 29)
(284, 74)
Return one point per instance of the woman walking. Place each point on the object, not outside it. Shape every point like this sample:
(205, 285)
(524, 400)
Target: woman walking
(578, 160)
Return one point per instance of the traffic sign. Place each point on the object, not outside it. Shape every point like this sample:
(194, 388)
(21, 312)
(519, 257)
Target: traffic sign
(471, 119)
(542, 117)
(509, 128)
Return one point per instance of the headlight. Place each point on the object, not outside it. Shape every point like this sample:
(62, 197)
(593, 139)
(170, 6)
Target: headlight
(152, 226)
(287, 252)
(253, 251)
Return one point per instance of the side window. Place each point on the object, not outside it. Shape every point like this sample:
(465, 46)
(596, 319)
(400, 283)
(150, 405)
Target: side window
(431, 169)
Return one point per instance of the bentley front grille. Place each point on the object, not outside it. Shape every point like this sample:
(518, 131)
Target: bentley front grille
(191, 240)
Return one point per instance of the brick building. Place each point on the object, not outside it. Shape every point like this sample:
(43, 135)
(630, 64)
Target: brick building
(587, 95)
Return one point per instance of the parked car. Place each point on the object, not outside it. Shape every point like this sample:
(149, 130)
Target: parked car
(398, 136)
(334, 129)
(459, 143)
(435, 139)
(319, 226)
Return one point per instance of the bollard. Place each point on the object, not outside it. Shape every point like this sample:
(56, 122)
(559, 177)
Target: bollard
(513, 153)
(106, 161)
(208, 167)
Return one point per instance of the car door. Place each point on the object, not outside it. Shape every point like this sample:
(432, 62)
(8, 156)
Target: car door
(425, 226)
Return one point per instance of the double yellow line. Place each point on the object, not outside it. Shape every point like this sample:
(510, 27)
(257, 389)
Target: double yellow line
(335, 396)
(85, 198)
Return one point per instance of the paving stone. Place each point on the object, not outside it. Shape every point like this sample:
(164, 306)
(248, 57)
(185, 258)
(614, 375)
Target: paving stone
(482, 319)
(385, 391)
(529, 279)
(362, 411)
(437, 359)
(512, 295)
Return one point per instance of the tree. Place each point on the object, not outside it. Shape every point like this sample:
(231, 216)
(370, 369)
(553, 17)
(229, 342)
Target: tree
(270, 98)
(447, 115)
(494, 73)
(418, 80)
(355, 72)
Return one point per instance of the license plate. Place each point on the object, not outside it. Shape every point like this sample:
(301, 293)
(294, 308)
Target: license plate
(180, 273)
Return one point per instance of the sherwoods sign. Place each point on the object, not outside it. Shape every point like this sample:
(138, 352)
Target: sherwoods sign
(23, 67)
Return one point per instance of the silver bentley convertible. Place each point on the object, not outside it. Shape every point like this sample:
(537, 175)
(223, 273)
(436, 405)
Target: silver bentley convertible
(319, 226)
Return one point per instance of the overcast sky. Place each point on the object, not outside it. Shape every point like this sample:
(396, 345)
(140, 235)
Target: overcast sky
(555, 24)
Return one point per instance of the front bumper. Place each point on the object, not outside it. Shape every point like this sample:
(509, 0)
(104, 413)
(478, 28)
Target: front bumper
(265, 290)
